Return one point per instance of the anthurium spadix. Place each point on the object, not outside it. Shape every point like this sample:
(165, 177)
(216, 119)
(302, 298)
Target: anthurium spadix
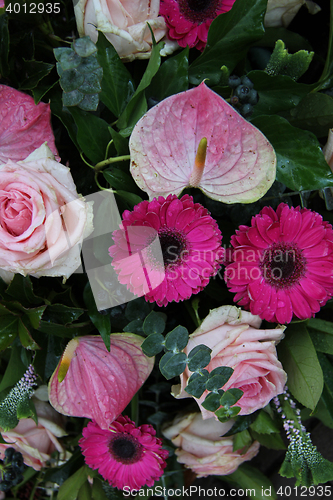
(92, 382)
(196, 139)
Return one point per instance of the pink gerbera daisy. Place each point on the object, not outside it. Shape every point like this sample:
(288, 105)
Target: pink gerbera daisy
(282, 264)
(189, 20)
(124, 455)
(190, 249)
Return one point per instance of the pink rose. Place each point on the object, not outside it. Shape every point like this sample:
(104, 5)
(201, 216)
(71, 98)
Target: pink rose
(235, 340)
(24, 126)
(42, 218)
(202, 447)
(36, 442)
(124, 24)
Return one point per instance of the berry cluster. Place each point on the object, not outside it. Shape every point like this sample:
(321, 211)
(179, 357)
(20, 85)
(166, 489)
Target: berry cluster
(11, 469)
(244, 96)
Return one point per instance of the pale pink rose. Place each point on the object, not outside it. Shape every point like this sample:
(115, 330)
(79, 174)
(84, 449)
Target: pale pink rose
(24, 126)
(36, 442)
(282, 12)
(42, 218)
(235, 340)
(328, 149)
(124, 23)
(202, 447)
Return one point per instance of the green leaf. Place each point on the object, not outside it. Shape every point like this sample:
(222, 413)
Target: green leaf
(283, 63)
(225, 414)
(91, 84)
(163, 85)
(22, 290)
(299, 360)
(231, 396)
(72, 98)
(34, 72)
(212, 401)
(25, 337)
(327, 394)
(69, 490)
(15, 368)
(314, 113)
(272, 441)
(61, 314)
(84, 47)
(26, 409)
(35, 315)
(117, 83)
(196, 384)
(64, 116)
(241, 440)
(250, 479)
(67, 58)
(137, 106)
(177, 339)
(135, 326)
(264, 424)
(321, 333)
(153, 344)
(130, 198)
(4, 45)
(93, 134)
(119, 180)
(229, 37)
(85, 492)
(242, 422)
(154, 323)
(71, 80)
(101, 321)
(8, 330)
(172, 364)
(137, 309)
(199, 357)
(300, 161)
(218, 377)
(276, 93)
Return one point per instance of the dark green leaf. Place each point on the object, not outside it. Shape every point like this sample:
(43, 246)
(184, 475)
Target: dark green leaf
(34, 72)
(314, 113)
(272, 441)
(137, 309)
(4, 45)
(102, 322)
(72, 98)
(225, 414)
(242, 422)
(117, 83)
(130, 198)
(26, 409)
(70, 488)
(61, 314)
(212, 401)
(172, 364)
(15, 368)
(163, 85)
(229, 37)
(89, 102)
(321, 333)
(300, 162)
(22, 290)
(25, 337)
(263, 424)
(120, 142)
(199, 357)
(241, 440)
(135, 326)
(64, 116)
(251, 479)
(218, 377)
(177, 339)
(89, 64)
(91, 84)
(8, 330)
(119, 180)
(93, 134)
(276, 93)
(299, 360)
(196, 384)
(153, 344)
(67, 58)
(327, 394)
(154, 323)
(231, 396)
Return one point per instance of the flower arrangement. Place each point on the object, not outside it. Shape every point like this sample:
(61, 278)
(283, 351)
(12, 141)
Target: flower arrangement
(166, 248)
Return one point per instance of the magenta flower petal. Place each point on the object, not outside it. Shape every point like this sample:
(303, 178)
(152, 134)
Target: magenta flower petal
(239, 165)
(282, 264)
(189, 21)
(125, 455)
(190, 249)
(99, 384)
(24, 126)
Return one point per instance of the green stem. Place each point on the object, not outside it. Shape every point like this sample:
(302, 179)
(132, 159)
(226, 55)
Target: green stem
(99, 166)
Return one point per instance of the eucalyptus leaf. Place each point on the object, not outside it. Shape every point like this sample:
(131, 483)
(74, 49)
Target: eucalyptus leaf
(154, 323)
(177, 339)
(172, 364)
(199, 357)
(153, 344)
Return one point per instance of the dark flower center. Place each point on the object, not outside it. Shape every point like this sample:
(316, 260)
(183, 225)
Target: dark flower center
(198, 11)
(126, 449)
(173, 245)
(283, 265)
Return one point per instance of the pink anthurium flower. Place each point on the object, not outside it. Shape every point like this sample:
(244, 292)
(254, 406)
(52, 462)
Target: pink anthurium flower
(196, 139)
(92, 382)
(24, 126)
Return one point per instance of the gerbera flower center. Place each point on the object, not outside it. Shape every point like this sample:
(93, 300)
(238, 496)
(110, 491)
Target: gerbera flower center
(283, 265)
(126, 449)
(198, 11)
(173, 245)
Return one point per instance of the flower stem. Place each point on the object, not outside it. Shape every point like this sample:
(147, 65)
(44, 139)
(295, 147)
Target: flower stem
(102, 164)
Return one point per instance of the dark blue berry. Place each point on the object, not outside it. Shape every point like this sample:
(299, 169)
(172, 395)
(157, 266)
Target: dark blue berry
(234, 81)
(234, 100)
(246, 110)
(5, 486)
(9, 475)
(247, 82)
(9, 452)
(242, 92)
(253, 97)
